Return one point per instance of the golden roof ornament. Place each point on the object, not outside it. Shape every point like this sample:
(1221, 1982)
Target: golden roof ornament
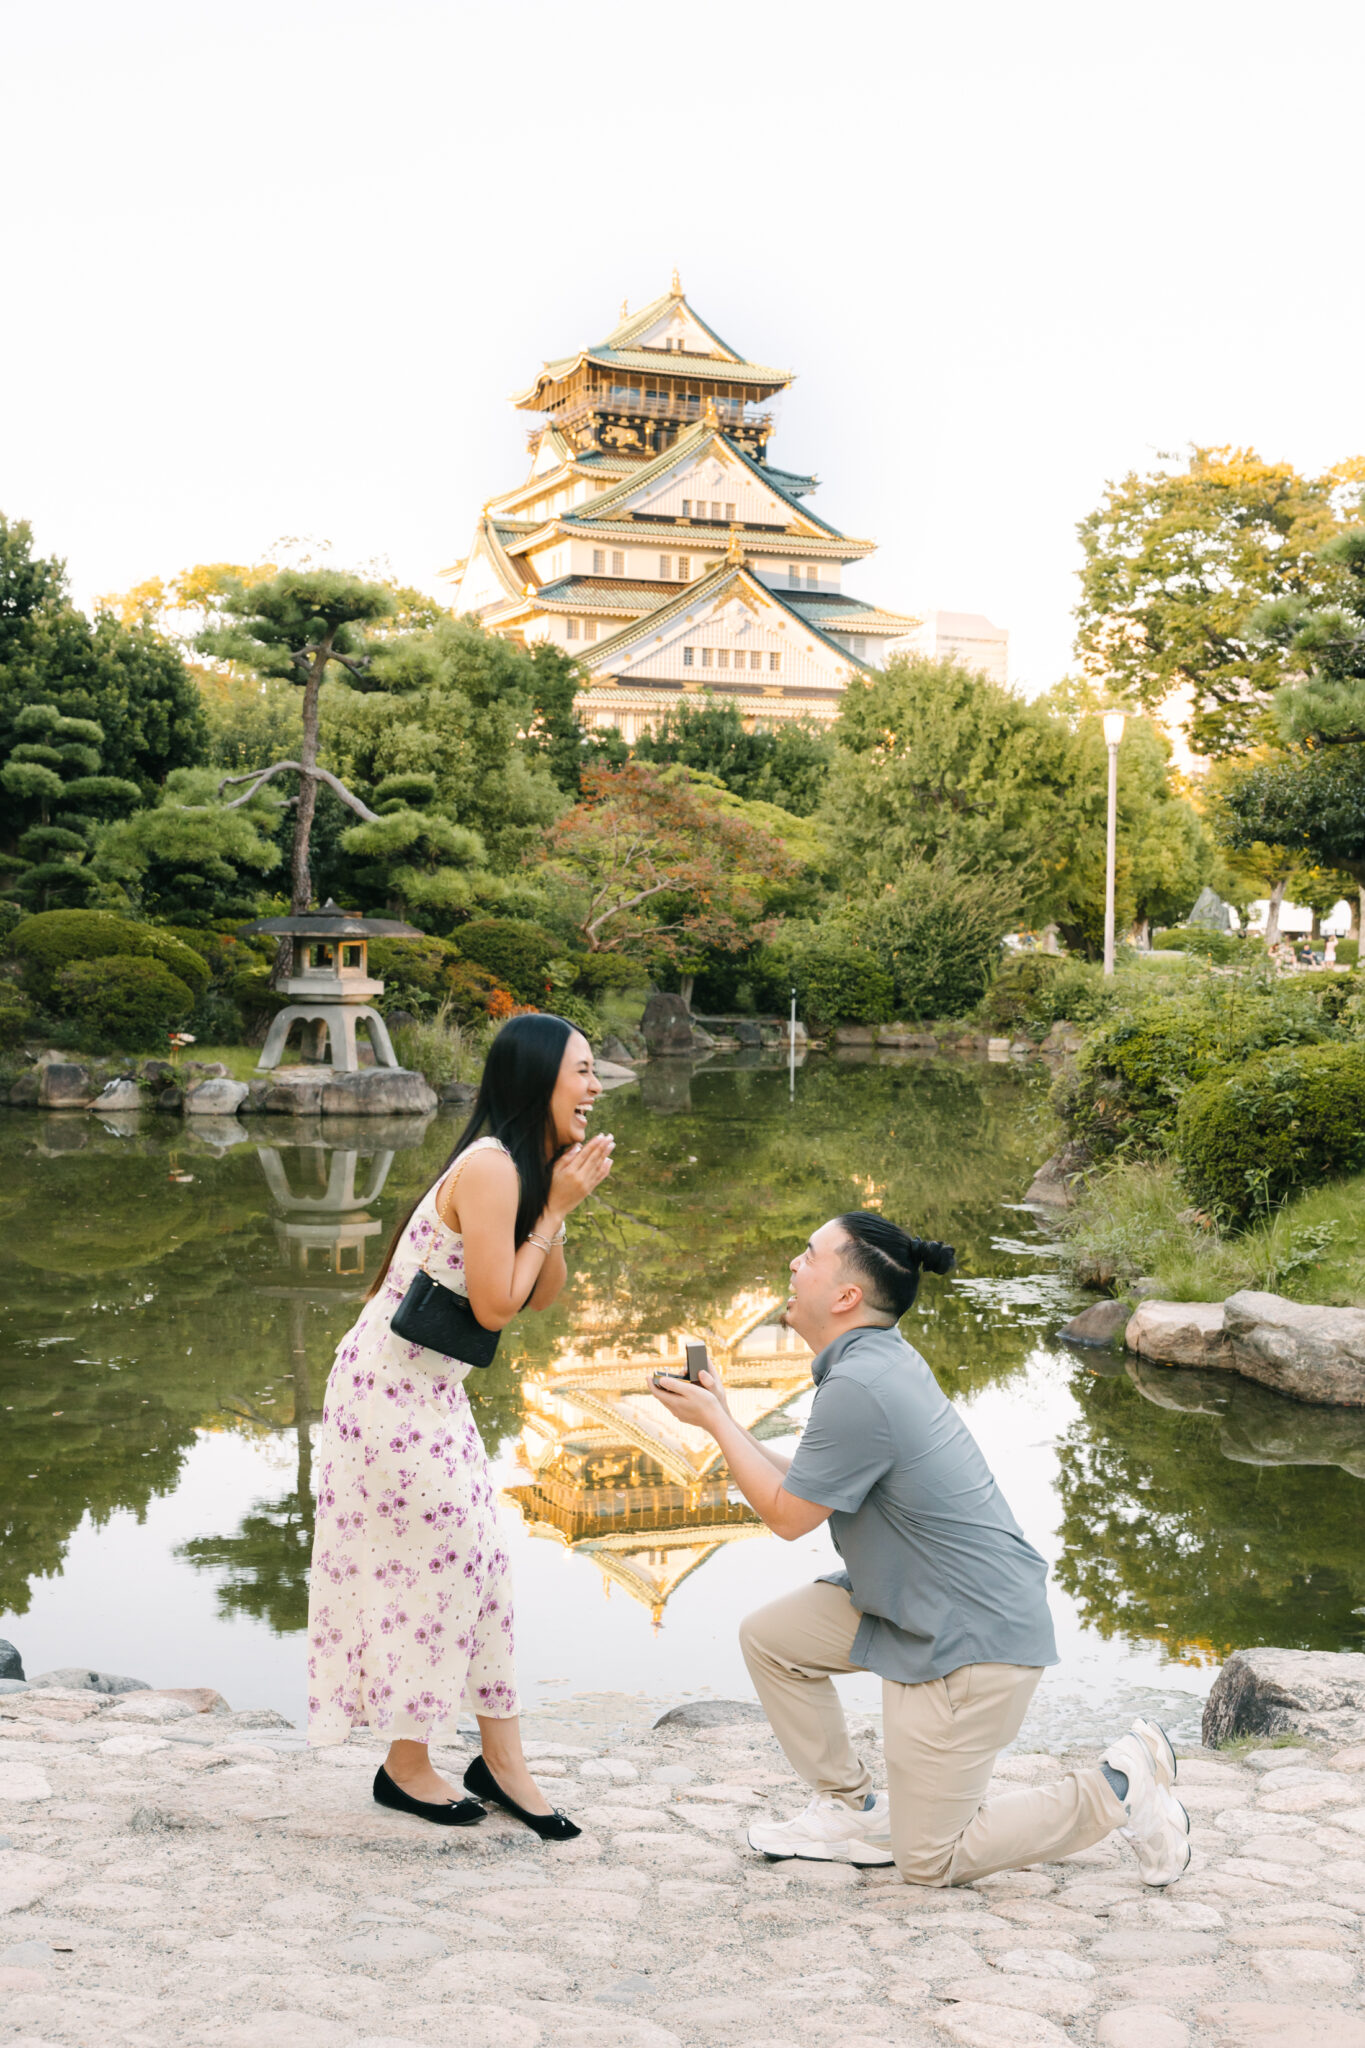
(625, 309)
(677, 282)
(710, 417)
(735, 551)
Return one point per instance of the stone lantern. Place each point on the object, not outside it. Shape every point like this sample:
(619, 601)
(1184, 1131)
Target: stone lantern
(331, 985)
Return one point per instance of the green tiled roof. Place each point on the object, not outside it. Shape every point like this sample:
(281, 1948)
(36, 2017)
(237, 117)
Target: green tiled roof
(626, 330)
(704, 592)
(654, 362)
(691, 443)
(601, 594)
(840, 614)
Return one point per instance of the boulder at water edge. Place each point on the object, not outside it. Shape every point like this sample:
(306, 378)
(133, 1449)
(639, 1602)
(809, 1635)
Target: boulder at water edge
(377, 1091)
(11, 1663)
(79, 1678)
(669, 1030)
(1316, 1693)
(1179, 1333)
(215, 1098)
(119, 1095)
(1316, 1354)
(1101, 1323)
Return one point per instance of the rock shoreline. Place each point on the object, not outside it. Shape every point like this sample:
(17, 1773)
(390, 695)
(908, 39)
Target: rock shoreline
(172, 1876)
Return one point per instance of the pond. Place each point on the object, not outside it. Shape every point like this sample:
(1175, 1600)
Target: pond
(172, 1296)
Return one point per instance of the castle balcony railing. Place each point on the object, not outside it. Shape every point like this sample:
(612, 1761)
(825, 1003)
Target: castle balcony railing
(685, 407)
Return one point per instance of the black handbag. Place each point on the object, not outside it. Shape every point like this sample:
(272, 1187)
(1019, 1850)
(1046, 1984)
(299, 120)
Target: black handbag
(443, 1321)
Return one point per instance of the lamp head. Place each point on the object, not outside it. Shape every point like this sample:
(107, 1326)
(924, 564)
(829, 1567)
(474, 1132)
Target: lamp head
(1113, 727)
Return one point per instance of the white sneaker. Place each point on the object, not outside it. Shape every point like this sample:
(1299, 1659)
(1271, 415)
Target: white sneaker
(829, 1832)
(1159, 1748)
(1158, 1826)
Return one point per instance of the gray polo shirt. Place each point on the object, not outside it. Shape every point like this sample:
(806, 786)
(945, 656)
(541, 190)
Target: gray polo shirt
(936, 1563)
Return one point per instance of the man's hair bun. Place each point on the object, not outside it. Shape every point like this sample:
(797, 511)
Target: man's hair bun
(888, 1260)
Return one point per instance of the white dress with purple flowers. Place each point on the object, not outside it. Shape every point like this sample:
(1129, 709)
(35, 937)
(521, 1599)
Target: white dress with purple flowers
(410, 1604)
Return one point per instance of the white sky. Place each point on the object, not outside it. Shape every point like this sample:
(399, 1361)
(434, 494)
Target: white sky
(273, 268)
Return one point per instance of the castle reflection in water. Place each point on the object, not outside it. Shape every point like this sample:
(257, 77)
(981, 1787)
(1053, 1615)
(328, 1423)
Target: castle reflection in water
(609, 1472)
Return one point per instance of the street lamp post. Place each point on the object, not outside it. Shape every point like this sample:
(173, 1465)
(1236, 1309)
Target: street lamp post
(1113, 733)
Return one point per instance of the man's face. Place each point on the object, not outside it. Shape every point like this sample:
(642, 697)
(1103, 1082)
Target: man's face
(821, 1285)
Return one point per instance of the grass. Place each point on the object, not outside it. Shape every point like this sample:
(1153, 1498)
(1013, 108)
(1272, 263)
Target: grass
(1241, 1745)
(441, 1048)
(240, 1060)
(1136, 1218)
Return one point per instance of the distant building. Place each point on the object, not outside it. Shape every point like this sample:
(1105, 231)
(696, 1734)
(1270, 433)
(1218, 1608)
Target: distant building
(967, 636)
(653, 540)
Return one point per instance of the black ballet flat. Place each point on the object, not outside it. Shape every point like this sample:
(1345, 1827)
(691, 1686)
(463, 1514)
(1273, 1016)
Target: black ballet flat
(551, 1827)
(447, 1813)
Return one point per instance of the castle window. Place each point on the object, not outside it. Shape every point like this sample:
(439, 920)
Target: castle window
(715, 510)
(684, 568)
(618, 563)
(687, 508)
(666, 568)
(590, 629)
(599, 561)
(571, 630)
(813, 576)
(793, 572)
(775, 664)
(730, 515)
(706, 657)
(688, 653)
(722, 657)
(755, 658)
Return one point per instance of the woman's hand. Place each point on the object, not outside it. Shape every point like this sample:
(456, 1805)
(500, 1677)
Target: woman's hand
(578, 1172)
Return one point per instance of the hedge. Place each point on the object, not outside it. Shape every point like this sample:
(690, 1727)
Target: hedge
(15, 1010)
(1132, 1073)
(1222, 948)
(131, 999)
(1291, 1119)
(837, 981)
(54, 939)
(514, 950)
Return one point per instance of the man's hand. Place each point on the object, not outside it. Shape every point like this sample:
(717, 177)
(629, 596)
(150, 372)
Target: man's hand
(702, 1404)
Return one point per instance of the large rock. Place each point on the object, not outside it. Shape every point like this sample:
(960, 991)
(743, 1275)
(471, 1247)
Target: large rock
(460, 1094)
(712, 1714)
(1098, 1324)
(119, 1095)
(1315, 1354)
(378, 1091)
(24, 1092)
(1317, 1693)
(79, 1678)
(1052, 1185)
(62, 1084)
(215, 1097)
(1180, 1333)
(669, 1030)
(11, 1663)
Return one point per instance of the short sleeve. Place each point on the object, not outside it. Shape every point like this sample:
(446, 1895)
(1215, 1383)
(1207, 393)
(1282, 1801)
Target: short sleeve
(844, 1450)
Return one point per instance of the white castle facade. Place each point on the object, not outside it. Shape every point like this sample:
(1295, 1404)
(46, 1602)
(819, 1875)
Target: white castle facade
(654, 541)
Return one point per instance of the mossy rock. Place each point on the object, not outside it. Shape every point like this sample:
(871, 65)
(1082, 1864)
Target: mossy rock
(1249, 1138)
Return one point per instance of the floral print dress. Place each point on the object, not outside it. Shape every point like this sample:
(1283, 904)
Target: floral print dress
(410, 1605)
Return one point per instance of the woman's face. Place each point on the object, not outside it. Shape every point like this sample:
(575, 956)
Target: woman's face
(576, 1090)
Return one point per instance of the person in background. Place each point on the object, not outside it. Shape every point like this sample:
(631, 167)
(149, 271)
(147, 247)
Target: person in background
(410, 1603)
(940, 1595)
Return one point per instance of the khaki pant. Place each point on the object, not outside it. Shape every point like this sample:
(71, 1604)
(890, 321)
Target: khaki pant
(941, 1740)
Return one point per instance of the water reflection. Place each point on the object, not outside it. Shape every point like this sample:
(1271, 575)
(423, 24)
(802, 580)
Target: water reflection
(160, 1287)
(613, 1476)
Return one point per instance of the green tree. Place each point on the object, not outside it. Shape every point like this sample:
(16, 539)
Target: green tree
(1177, 564)
(191, 859)
(297, 626)
(128, 681)
(54, 797)
(787, 764)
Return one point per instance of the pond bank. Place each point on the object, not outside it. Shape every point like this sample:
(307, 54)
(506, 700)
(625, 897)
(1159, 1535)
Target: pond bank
(194, 1879)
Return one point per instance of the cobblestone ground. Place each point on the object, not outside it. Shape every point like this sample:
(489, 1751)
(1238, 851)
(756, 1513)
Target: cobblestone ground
(175, 1876)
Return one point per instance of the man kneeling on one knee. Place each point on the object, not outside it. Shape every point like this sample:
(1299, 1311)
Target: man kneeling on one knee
(940, 1596)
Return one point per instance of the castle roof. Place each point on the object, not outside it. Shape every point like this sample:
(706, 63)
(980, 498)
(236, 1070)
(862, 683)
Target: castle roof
(623, 350)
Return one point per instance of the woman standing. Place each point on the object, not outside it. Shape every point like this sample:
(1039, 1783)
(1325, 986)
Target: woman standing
(410, 1609)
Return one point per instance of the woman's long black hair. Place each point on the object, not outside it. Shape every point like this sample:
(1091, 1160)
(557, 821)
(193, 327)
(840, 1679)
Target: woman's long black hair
(513, 1105)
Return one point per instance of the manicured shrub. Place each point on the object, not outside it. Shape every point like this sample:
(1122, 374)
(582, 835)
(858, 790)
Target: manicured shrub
(1132, 1072)
(605, 973)
(1348, 952)
(129, 999)
(580, 1014)
(1222, 948)
(514, 950)
(55, 938)
(1020, 997)
(1248, 1138)
(15, 1011)
(837, 980)
(938, 934)
(413, 972)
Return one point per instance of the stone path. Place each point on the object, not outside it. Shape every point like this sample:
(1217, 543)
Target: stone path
(169, 1875)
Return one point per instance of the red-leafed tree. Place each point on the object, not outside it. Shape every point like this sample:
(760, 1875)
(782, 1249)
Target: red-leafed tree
(654, 868)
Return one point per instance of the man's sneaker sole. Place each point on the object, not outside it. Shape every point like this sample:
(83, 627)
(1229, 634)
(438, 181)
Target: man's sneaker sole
(860, 1853)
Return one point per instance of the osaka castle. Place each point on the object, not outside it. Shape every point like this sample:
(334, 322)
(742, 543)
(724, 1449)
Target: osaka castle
(654, 541)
